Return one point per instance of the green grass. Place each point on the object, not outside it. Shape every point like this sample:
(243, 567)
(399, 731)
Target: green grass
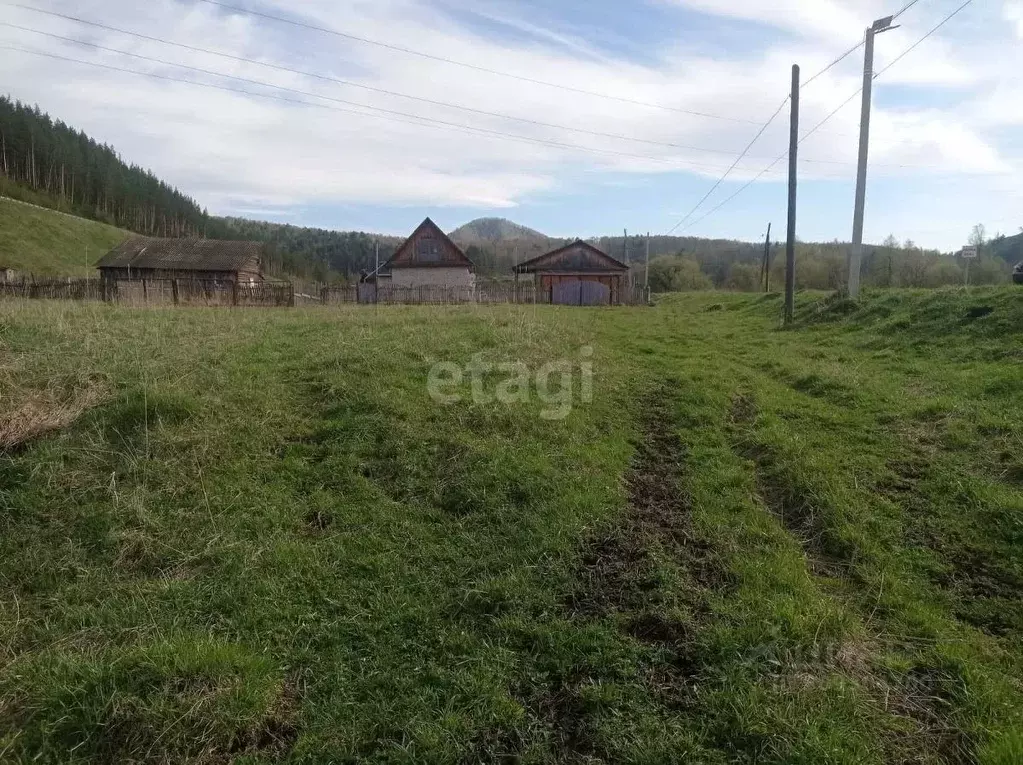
(49, 243)
(251, 536)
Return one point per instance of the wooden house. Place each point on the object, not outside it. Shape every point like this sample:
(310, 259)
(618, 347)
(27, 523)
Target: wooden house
(428, 258)
(578, 274)
(193, 259)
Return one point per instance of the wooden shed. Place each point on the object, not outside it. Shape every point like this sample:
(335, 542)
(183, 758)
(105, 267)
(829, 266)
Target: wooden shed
(578, 274)
(429, 258)
(195, 259)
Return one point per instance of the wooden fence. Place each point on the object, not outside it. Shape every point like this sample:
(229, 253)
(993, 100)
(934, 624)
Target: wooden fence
(167, 292)
(482, 293)
(154, 292)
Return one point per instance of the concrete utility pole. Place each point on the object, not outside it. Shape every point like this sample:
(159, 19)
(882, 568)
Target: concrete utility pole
(790, 243)
(856, 253)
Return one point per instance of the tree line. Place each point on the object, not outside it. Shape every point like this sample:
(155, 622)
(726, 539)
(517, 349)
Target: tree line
(822, 266)
(45, 161)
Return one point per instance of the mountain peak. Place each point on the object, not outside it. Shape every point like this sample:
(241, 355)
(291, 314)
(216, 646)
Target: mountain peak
(494, 230)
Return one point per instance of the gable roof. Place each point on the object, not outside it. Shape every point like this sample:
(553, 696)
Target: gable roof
(182, 254)
(451, 255)
(577, 256)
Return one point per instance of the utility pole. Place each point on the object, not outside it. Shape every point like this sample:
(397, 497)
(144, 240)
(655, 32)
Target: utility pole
(856, 253)
(646, 276)
(790, 243)
(765, 268)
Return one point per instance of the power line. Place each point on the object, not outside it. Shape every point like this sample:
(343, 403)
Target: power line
(757, 137)
(838, 109)
(327, 78)
(905, 8)
(730, 169)
(912, 47)
(466, 65)
(386, 113)
(836, 62)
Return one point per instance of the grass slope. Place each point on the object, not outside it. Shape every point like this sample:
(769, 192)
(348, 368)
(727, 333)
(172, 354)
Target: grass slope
(49, 243)
(266, 543)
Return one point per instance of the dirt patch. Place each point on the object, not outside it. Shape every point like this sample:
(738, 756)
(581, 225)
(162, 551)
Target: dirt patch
(39, 413)
(276, 734)
(619, 576)
(318, 520)
(979, 312)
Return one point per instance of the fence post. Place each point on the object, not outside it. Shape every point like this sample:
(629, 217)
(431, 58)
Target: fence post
(174, 290)
(234, 292)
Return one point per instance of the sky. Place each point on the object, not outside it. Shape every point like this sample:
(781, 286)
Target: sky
(573, 117)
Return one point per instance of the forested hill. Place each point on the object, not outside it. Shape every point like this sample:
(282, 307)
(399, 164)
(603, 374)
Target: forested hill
(493, 230)
(312, 253)
(88, 178)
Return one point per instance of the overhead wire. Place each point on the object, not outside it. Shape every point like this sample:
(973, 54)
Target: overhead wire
(728, 172)
(419, 119)
(913, 47)
(756, 138)
(392, 115)
(820, 124)
(328, 78)
(467, 65)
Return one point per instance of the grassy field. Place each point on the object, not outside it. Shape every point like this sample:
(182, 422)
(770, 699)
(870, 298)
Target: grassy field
(252, 536)
(49, 243)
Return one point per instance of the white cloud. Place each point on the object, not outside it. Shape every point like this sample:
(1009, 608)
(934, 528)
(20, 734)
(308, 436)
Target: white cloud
(236, 152)
(1013, 12)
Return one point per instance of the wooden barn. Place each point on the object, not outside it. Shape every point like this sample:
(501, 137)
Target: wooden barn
(578, 274)
(428, 258)
(141, 258)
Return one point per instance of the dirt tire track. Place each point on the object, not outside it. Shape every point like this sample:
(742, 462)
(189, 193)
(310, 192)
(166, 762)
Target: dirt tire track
(617, 576)
(921, 696)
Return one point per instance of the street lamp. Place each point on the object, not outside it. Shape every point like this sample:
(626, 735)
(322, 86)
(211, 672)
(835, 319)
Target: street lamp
(856, 254)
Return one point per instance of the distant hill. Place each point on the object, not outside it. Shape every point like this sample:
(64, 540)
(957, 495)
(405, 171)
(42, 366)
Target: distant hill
(44, 242)
(494, 230)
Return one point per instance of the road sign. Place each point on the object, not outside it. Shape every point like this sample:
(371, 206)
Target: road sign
(969, 251)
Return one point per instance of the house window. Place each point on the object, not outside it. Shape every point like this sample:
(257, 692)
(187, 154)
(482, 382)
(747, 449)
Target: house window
(428, 250)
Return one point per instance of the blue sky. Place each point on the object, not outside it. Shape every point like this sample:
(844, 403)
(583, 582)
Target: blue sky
(626, 153)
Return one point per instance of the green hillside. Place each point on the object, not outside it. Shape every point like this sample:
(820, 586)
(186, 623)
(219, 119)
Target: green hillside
(249, 537)
(48, 243)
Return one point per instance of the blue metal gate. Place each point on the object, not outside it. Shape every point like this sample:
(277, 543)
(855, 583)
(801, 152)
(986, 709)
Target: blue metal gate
(567, 293)
(580, 292)
(594, 293)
